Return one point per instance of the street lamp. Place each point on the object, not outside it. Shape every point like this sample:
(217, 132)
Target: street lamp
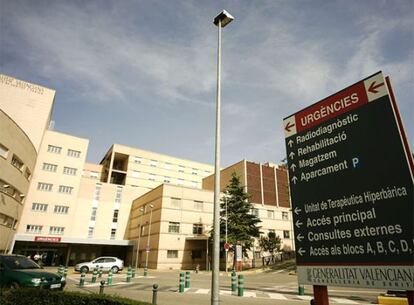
(148, 242)
(226, 247)
(221, 20)
(139, 237)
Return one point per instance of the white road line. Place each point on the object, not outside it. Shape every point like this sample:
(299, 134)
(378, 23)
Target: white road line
(225, 292)
(304, 297)
(203, 291)
(249, 294)
(343, 301)
(277, 296)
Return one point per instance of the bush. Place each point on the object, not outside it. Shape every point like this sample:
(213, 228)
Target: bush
(47, 297)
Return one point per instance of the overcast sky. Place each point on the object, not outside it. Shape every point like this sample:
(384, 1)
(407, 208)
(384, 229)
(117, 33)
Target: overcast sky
(143, 73)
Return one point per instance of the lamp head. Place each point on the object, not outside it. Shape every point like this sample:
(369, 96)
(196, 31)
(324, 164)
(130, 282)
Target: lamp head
(224, 17)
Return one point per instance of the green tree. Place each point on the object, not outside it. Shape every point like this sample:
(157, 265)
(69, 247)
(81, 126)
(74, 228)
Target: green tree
(242, 224)
(270, 243)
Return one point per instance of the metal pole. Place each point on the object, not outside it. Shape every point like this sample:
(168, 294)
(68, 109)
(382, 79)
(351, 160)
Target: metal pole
(215, 293)
(227, 250)
(139, 239)
(148, 240)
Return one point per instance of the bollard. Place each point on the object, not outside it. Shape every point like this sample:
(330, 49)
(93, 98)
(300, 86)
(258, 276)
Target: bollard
(145, 271)
(94, 275)
(101, 288)
(233, 281)
(133, 273)
(154, 294)
(82, 279)
(187, 279)
(100, 272)
(181, 285)
(110, 278)
(60, 270)
(241, 285)
(65, 273)
(129, 274)
(301, 290)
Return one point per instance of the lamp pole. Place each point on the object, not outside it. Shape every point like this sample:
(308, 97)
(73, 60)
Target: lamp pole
(226, 249)
(148, 239)
(139, 237)
(221, 20)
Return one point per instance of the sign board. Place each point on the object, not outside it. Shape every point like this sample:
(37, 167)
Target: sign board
(239, 253)
(351, 183)
(226, 246)
(47, 239)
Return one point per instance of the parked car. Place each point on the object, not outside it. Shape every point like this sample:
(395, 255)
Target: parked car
(19, 271)
(106, 262)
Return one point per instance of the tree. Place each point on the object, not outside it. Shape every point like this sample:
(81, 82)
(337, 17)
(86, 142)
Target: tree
(242, 224)
(270, 243)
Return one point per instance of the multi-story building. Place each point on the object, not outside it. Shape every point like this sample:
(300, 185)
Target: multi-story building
(172, 224)
(25, 110)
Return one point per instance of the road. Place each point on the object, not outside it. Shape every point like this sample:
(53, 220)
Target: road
(268, 287)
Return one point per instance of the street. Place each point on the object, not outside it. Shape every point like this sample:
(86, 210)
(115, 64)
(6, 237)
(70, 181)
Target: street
(267, 287)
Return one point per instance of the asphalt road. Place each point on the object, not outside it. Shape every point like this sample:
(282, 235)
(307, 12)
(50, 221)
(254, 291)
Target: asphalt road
(268, 287)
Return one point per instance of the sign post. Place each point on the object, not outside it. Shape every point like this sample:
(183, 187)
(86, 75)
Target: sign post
(351, 183)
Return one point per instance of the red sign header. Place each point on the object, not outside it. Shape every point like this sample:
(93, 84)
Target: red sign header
(48, 239)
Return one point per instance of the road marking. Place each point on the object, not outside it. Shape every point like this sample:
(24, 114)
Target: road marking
(277, 296)
(343, 301)
(304, 297)
(203, 291)
(225, 292)
(249, 294)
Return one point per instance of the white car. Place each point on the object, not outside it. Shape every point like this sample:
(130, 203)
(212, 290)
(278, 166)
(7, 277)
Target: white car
(106, 262)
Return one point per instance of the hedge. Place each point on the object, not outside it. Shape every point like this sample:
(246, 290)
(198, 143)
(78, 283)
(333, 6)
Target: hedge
(48, 297)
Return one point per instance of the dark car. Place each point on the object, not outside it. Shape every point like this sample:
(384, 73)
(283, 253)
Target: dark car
(19, 271)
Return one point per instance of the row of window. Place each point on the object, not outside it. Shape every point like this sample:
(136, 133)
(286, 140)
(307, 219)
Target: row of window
(53, 168)
(164, 179)
(176, 202)
(270, 214)
(48, 187)
(15, 161)
(92, 229)
(42, 207)
(58, 149)
(37, 229)
(11, 191)
(169, 166)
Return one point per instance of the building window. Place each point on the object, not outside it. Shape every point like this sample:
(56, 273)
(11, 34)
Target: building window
(49, 167)
(180, 181)
(118, 195)
(54, 149)
(175, 202)
(94, 175)
(193, 183)
(167, 165)
(39, 207)
(181, 169)
(151, 177)
(90, 232)
(98, 187)
(198, 205)
(197, 228)
(69, 171)
(46, 187)
(172, 253)
(113, 233)
(174, 227)
(167, 180)
(64, 189)
(137, 160)
(196, 254)
(153, 163)
(135, 174)
(272, 231)
(194, 171)
(74, 153)
(34, 229)
(286, 234)
(61, 209)
(56, 230)
(115, 217)
(285, 216)
(3, 151)
(27, 174)
(17, 163)
(270, 214)
(93, 214)
(7, 221)
(255, 212)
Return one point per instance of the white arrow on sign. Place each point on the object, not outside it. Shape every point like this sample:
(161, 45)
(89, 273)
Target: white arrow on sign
(290, 143)
(297, 211)
(291, 155)
(300, 237)
(298, 224)
(292, 167)
(301, 251)
(294, 179)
